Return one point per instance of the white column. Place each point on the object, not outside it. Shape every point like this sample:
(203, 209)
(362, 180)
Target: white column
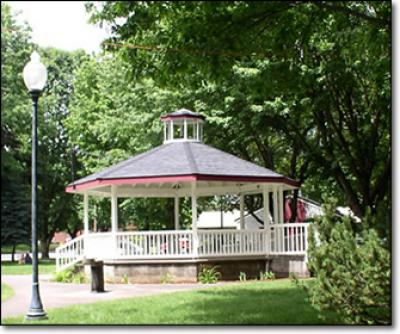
(176, 207)
(241, 226)
(171, 135)
(281, 204)
(194, 220)
(114, 209)
(165, 131)
(275, 195)
(185, 129)
(267, 231)
(266, 207)
(85, 213)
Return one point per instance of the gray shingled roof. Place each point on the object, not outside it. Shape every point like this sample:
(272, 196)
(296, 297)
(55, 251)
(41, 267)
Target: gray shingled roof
(183, 112)
(182, 158)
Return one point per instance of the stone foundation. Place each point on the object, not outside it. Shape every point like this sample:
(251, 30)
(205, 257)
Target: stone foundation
(186, 271)
(283, 266)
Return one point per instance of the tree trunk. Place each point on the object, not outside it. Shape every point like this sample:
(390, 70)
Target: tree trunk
(44, 248)
(13, 252)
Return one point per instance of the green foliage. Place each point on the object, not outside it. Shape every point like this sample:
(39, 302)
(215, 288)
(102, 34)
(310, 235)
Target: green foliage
(242, 276)
(15, 215)
(351, 264)
(302, 88)
(55, 207)
(70, 275)
(268, 275)
(209, 275)
(125, 279)
(166, 278)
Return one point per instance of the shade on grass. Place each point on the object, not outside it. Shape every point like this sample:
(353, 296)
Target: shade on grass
(13, 268)
(6, 292)
(277, 302)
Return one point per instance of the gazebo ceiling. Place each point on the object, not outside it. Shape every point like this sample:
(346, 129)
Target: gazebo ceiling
(168, 170)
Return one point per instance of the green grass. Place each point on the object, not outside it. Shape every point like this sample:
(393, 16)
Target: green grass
(276, 302)
(6, 292)
(13, 268)
(7, 249)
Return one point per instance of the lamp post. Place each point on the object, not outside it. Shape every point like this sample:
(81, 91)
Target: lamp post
(35, 76)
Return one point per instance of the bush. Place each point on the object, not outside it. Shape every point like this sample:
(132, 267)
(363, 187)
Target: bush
(352, 270)
(242, 276)
(70, 275)
(209, 275)
(166, 278)
(267, 275)
(125, 279)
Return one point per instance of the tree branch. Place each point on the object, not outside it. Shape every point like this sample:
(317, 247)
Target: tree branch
(348, 11)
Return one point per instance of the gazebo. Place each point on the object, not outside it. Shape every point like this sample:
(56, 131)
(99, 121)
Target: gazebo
(183, 166)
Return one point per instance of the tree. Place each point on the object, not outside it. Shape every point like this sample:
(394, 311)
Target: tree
(55, 207)
(15, 216)
(318, 78)
(352, 270)
(112, 118)
(15, 118)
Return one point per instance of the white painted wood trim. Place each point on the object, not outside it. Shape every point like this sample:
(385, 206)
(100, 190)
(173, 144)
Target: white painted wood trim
(185, 129)
(281, 205)
(114, 209)
(241, 225)
(266, 208)
(172, 130)
(176, 208)
(275, 199)
(194, 206)
(86, 213)
(194, 220)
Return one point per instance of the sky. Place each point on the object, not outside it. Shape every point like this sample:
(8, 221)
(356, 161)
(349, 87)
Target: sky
(60, 24)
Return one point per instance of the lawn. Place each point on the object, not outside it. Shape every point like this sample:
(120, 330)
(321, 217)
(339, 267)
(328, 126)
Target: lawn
(13, 268)
(6, 292)
(271, 302)
(21, 248)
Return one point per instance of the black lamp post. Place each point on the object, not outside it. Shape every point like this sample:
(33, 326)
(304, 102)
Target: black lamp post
(35, 76)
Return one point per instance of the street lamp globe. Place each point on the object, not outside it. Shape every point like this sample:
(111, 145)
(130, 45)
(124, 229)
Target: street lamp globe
(35, 74)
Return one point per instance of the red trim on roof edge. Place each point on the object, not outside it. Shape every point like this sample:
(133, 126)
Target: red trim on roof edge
(178, 178)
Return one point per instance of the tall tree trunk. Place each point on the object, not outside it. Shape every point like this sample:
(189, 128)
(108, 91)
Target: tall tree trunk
(13, 252)
(44, 248)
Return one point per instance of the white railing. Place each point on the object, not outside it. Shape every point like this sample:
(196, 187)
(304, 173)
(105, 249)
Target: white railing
(70, 253)
(288, 238)
(231, 242)
(155, 244)
(277, 239)
(100, 246)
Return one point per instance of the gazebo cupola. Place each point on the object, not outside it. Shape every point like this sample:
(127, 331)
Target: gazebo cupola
(183, 125)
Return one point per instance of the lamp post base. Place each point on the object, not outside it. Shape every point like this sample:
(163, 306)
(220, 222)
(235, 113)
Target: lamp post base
(36, 314)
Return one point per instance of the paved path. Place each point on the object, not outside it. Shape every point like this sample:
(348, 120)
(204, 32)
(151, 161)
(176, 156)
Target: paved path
(62, 294)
